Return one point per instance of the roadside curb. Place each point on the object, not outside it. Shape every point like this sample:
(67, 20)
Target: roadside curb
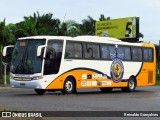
(2, 85)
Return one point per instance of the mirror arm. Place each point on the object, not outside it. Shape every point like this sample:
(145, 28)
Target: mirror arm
(5, 49)
(39, 49)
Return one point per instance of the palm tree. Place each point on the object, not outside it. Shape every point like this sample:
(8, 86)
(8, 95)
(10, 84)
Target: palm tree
(88, 26)
(70, 28)
(37, 25)
(6, 37)
(27, 27)
(46, 25)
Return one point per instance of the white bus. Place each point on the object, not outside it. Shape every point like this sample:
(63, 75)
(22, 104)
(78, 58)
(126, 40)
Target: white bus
(50, 63)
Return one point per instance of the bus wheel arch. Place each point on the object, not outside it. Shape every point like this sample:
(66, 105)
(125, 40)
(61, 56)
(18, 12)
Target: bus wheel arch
(133, 77)
(69, 85)
(132, 83)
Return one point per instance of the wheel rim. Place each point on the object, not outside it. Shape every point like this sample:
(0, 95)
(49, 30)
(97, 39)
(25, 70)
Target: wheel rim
(69, 86)
(131, 84)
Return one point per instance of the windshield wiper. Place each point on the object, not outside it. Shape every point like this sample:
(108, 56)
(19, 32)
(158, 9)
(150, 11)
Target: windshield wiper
(19, 64)
(28, 69)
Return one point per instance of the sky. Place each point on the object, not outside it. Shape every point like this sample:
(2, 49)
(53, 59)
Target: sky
(147, 10)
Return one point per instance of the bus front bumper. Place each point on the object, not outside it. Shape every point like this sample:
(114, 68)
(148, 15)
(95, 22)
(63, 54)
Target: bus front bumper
(33, 84)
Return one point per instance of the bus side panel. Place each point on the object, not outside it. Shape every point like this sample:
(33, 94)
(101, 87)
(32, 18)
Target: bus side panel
(85, 79)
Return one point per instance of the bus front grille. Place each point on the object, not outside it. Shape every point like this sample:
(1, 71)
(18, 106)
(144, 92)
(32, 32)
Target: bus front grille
(22, 79)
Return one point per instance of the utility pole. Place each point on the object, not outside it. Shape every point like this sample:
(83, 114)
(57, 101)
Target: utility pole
(5, 69)
(0, 61)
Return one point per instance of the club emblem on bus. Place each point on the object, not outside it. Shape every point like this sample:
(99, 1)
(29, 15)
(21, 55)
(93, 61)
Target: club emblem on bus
(117, 68)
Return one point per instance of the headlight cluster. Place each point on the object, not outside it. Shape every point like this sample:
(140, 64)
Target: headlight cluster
(37, 78)
(11, 76)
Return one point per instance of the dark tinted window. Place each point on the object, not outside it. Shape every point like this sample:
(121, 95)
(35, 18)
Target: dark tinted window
(73, 50)
(111, 51)
(121, 52)
(24, 57)
(136, 53)
(105, 52)
(53, 57)
(148, 54)
(91, 51)
(127, 53)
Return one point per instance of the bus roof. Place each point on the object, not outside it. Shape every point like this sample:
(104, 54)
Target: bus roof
(67, 37)
(86, 38)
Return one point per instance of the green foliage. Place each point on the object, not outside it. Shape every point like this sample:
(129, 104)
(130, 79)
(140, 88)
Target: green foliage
(88, 26)
(158, 79)
(7, 35)
(141, 35)
(45, 24)
(7, 79)
(102, 17)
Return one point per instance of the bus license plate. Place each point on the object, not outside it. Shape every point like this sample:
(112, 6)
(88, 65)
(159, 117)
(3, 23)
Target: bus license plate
(22, 84)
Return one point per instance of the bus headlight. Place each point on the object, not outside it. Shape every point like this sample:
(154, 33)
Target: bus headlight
(11, 76)
(37, 78)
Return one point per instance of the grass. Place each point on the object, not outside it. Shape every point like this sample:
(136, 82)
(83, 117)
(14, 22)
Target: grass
(2, 80)
(158, 79)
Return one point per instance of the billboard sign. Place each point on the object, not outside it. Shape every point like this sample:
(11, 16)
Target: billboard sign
(118, 28)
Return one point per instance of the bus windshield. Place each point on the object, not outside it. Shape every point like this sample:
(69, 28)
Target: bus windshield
(24, 57)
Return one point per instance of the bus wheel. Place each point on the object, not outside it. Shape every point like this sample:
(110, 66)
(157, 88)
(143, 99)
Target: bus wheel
(106, 89)
(69, 86)
(40, 91)
(131, 85)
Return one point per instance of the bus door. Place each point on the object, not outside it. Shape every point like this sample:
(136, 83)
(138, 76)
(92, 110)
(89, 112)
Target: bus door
(53, 57)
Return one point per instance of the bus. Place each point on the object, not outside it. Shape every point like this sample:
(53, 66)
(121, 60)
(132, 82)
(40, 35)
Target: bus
(52, 63)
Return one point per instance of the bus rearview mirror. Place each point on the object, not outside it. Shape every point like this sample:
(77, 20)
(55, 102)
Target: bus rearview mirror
(5, 49)
(39, 50)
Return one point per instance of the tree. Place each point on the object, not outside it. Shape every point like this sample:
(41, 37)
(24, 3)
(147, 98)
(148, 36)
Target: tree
(27, 27)
(141, 35)
(2, 25)
(88, 26)
(46, 25)
(102, 17)
(6, 37)
(38, 25)
(72, 28)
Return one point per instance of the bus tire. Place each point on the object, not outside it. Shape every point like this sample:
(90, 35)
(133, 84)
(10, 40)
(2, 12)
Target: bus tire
(69, 86)
(131, 85)
(106, 89)
(40, 91)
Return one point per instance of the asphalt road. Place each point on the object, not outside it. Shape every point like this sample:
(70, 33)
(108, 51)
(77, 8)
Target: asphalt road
(143, 99)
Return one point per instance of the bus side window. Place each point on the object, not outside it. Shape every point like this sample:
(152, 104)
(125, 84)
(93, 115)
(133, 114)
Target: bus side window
(77, 50)
(121, 52)
(111, 51)
(69, 50)
(91, 51)
(105, 52)
(88, 51)
(73, 50)
(96, 51)
(127, 53)
(148, 54)
(136, 54)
